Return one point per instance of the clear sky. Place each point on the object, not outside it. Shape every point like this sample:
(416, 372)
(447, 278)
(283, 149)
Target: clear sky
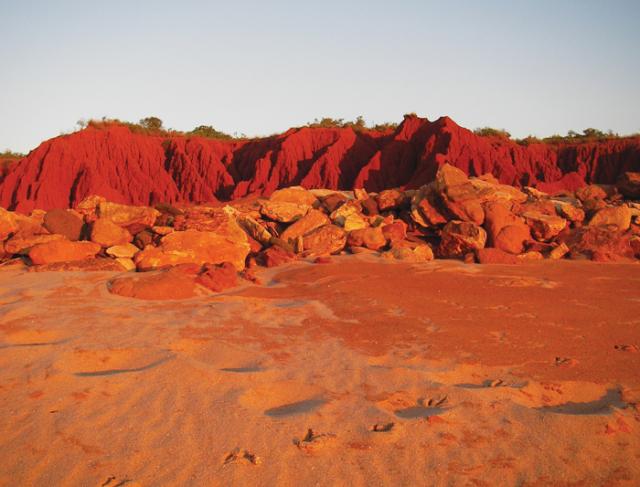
(533, 67)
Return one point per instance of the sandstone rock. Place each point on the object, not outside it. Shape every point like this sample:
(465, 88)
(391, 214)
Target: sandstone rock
(599, 242)
(371, 238)
(634, 242)
(161, 230)
(591, 192)
(144, 238)
(370, 207)
(460, 237)
(530, 255)
(312, 220)
(411, 253)
(569, 211)
(392, 199)
(329, 239)
(87, 265)
(124, 251)
(127, 264)
(424, 210)
(349, 216)
(219, 277)
(283, 211)
(296, 195)
(544, 227)
(159, 285)
(629, 185)
(21, 244)
(489, 189)
(360, 194)
(619, 216)
(495, 256)
(559, 252)
(8, 224)
(106, 233)
(395, 231)
(512, 238)
(89, 207)
(254, 229)
(275, 256)
(195, 247)
(62, 251)
(448, 176)
(505, 230)
(64, 222)
(125, 215)
(333, 201)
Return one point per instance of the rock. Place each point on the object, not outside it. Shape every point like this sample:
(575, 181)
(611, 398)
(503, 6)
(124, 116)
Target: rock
(126, 251)
(106, 233)
(160, 285)
(591, 192)
(619, 216)
(371, 238)
(312, 220)
(391, 199)
(495, 256)
(329, 239)
(512, 238)
(127, 264)
(530, 255)
(448, 176)
(360, 194)
(505, 230)
(275, 256)
(424, 210)
(144, 238)
(22, 244)
(296, 195)
(87, 265)
(559, 252)
(195, 247)
(370, 206)
(62, 251)
(88, 207)
(333, 201)
(395, 231)
(460, 237)
(629, 185)
(254, 229)
(488, 189)
(569, 211)
(349, 216)
(219, 277)
(64, 222)
(634, 242)
(601, 243)
(8, 224)
(125, 215)
(283, 211)
(411, 252)
(544, 227)
(161, 230)
(458, 195)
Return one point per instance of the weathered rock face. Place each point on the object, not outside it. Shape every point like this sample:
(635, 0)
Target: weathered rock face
(8, 223)
(131, 168)
(326, 240)
(618, 216)
(371, 238)
(308, 223)
(107, 234)
(62, 251)
(629, 185)
(126, 215)
(460, 238)
(175, 283)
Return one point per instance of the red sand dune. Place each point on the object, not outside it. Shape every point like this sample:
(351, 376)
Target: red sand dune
(140, 169)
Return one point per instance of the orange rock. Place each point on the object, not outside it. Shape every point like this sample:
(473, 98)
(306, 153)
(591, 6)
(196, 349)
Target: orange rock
(166, 284)
(619, 216)
(395, 231)
(544, 227)
(391, 199)
(629, 185)
(275, 256)
(410, 252)
(218, 277)
(512, 238)
(125, 215)
(495, 256)
(459, 238)
(283, 211)
(295, 194)
(62, 251)
(107, 234)
(312, 220)
(329, 239)
(193, 246)
(371, 238)
(21, 244)
(8, 223)
(64, 222)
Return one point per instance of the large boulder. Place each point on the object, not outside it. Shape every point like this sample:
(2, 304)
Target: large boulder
(62, 251)
(218, 277)
(106, 233)
(413, 252)
(173, 283)
(395, 231)
(64, 222)
(21, 244)
(506, 231)
(591, 192)
(460, 238)
(601, 243)
(458, 195)
(619, 216)
(328, 239)
(195, 247)
(349, 216)
(125, 215)
(495, 256)
(296, 195)
(629, 185)
(308, 223)
(125, 251)
(391, 199)
(424, 207)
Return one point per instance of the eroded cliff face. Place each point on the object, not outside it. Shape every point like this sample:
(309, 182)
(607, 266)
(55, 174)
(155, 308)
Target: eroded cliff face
(140, 169)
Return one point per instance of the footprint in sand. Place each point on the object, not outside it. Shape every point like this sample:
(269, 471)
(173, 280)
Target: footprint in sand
(25, 338)
(115, 482)
(382, 427)
(424, 408)
(565, 362)
(627, 348)
(612, 399)
(241, 456)
(313, 441)
(281, 399)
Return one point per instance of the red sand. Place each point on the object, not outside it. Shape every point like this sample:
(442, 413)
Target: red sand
(140, 169)
(431, 374)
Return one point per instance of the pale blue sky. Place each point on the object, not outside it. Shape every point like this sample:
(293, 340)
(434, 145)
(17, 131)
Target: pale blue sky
(260, 67)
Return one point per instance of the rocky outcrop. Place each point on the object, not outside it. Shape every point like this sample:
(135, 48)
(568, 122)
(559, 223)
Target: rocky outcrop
(136, 169)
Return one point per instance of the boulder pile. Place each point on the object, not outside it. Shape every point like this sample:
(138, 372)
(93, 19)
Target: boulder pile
(475, 219)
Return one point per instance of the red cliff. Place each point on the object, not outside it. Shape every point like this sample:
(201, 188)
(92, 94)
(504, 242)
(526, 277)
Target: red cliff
(141, 169)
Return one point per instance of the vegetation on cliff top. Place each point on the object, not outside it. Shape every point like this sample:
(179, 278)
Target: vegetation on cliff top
(572, 137)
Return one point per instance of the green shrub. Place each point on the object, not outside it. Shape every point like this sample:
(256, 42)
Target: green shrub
(209, 132)
(491, 132)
